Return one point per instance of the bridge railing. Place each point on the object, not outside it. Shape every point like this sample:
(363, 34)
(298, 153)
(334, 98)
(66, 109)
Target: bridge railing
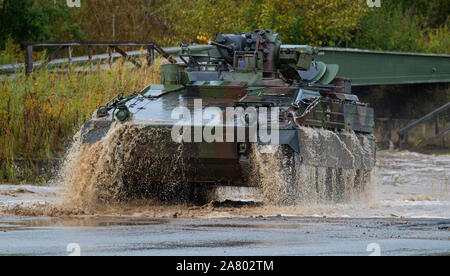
(112, 46)
(52, 62)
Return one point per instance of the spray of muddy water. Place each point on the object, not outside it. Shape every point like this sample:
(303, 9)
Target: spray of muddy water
(121, 165)
(96, 178)
(330, 168)
(116, 173)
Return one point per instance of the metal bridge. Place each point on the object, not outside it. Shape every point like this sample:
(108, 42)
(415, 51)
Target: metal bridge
(366, 67)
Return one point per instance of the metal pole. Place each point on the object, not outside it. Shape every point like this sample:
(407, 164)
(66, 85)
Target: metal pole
(70, 57)
(110, 56)
(90, 57)
(153, 54)
(29, 60)
(90, 53)
(149, 56)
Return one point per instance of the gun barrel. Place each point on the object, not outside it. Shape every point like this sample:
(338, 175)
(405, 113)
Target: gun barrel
(229, 48)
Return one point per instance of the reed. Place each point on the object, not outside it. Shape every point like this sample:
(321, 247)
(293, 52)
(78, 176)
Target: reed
(39, 114)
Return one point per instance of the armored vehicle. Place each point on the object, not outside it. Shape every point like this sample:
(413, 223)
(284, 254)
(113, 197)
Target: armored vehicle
(296, 133)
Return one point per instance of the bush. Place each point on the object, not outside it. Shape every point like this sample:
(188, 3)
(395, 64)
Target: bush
(436, 40)
(407, 25)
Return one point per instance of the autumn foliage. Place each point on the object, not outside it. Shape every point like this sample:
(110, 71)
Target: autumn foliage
(317, 22)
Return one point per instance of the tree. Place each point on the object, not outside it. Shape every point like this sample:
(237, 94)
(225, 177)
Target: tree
(316, 22)
(36, 20)
(406, 25)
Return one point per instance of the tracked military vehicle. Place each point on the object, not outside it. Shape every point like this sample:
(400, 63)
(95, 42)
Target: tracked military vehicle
(324, 148)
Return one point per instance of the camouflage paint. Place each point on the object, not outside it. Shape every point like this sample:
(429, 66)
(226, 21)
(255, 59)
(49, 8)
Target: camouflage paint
(246, 70)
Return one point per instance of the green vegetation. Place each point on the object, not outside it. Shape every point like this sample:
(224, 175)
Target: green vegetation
(399, 25)
(36, 20)
(317, 22)
(39, 114)
(408, 25)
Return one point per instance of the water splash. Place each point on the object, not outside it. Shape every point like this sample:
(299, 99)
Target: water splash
(125, 162)
(330, 168)
(102, 178)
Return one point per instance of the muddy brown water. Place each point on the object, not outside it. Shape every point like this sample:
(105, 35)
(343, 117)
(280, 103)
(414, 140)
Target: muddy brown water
(410, 215)
(409, 185)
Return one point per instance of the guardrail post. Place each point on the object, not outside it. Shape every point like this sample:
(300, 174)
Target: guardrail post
(90, 56)
(70, 57)
(29, 59)
(110, 57)
(150, 55)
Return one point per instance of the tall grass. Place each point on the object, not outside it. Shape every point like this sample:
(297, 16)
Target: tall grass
(40, 113)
